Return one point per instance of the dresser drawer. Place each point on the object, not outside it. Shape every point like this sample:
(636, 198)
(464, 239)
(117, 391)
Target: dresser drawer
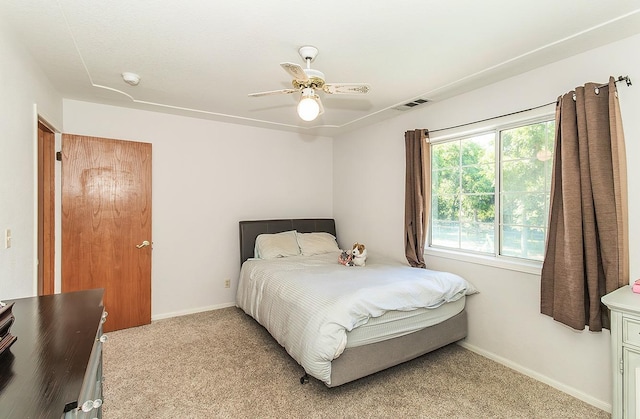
(631, 331)
(90, 399)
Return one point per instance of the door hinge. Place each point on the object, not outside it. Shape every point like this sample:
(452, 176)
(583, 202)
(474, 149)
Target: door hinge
(59, 155)
(621, 364)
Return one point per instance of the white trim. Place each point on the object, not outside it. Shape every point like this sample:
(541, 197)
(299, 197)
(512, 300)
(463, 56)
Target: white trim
(519, 265)
(190, 311)
(35, 199)
(542, 378)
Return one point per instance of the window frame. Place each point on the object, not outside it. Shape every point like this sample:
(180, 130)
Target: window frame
(495, 126)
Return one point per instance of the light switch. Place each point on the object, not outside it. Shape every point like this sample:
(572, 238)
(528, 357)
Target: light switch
(7, 238)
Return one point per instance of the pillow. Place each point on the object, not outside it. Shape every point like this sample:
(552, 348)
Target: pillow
(278, 245)
(317, 243)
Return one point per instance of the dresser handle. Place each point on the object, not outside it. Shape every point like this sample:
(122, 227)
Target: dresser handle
(87, 406)
(103, 338)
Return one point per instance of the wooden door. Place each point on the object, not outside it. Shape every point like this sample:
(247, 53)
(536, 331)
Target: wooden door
(46, 211)
(106, 224)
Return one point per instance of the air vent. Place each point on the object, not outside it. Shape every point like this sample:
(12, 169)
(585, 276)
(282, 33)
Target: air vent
(411, 105)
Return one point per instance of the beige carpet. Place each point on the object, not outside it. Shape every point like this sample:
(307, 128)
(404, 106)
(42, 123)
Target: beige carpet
(222, 364)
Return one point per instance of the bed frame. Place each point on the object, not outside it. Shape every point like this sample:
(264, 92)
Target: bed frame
(360, 361)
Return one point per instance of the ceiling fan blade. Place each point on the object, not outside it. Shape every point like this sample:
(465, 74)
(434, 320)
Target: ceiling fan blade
(295, 70)
(273, 92)
(346, 88)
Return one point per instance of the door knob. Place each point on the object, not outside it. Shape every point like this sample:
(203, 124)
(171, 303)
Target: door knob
(143, 244)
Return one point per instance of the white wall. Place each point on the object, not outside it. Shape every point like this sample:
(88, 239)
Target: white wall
(206, 177)
(24, 89)
(504, 319)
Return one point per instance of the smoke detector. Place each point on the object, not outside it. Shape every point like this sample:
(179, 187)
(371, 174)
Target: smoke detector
(131, 78)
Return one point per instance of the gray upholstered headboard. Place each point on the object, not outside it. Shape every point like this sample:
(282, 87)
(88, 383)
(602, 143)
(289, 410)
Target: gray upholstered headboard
(249, 230)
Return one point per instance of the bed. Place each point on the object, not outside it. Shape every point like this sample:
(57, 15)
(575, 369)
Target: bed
(336, 328)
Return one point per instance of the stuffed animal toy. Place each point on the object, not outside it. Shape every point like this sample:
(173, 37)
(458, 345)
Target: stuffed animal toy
(358, 254)
(345, 258)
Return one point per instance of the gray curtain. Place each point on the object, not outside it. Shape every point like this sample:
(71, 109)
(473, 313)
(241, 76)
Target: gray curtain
(417, 195)
(587, 254)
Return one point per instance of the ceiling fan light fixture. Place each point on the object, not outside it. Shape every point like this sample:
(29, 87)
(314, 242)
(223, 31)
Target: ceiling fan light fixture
(308, 81)
(308, 107)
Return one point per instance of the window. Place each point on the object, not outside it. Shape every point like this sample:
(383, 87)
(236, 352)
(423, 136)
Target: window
(490, 191)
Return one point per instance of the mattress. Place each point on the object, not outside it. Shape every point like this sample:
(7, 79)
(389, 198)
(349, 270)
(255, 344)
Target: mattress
(309, 304)
(394, 324)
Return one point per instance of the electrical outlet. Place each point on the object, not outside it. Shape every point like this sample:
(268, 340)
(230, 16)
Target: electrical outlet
(227, 283)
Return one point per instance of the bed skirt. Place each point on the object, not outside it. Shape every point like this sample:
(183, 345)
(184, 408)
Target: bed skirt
(361, 361)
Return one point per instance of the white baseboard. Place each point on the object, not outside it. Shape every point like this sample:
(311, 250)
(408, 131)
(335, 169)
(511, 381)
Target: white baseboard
(537, 376)
(190, 311)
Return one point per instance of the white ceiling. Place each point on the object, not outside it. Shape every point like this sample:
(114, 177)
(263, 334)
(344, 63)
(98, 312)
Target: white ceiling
(203, 57)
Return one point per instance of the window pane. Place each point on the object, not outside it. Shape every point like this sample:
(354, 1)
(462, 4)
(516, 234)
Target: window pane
(445, 155)
(477, 150)
(525, 142)
(550, 134)
(477, 237)
(466, 168)
(445, 233)
(479, 178)
(527, 158)
(478, 208)
(525, 209)
(477, 215)
(523, 242)
(445, 208)
(446, 181)
(523, 176)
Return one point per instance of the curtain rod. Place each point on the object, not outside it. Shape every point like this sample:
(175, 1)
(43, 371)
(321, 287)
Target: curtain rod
(626, 79)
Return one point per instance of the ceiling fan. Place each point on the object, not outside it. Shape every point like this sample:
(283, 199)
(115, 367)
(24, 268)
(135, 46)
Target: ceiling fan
(308, 82)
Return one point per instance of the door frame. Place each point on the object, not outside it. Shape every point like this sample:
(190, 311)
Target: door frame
(46, 202)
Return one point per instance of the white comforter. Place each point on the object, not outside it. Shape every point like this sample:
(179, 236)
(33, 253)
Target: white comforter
(308, 303)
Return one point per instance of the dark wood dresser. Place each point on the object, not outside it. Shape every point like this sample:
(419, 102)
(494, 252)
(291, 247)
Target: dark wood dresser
(54, 369)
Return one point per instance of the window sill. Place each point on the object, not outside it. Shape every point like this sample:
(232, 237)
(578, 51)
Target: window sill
(529, 267)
